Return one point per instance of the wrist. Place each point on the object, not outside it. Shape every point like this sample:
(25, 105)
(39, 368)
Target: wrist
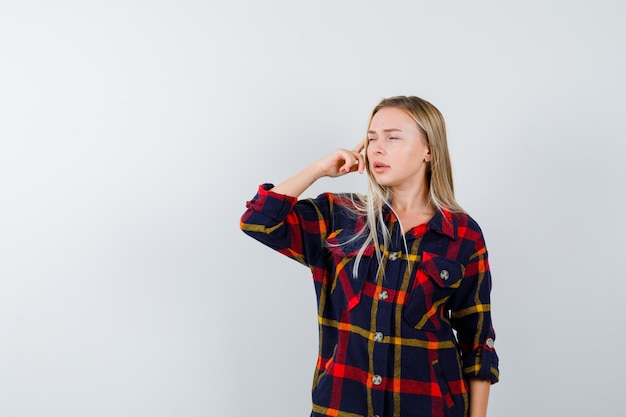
(315, 171)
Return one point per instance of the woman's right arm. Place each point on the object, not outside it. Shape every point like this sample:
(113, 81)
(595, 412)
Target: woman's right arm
(298, 228)
(335, 164)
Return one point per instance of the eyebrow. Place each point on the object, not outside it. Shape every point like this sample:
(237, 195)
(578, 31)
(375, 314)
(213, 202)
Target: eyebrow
(385, 130)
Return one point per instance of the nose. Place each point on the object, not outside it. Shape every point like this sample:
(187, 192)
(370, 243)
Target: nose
(375, 147)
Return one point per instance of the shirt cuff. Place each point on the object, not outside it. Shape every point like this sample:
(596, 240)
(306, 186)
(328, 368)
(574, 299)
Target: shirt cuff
(482, 363)
(274, 205)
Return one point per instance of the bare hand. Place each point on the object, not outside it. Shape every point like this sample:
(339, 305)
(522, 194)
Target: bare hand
(343, 161)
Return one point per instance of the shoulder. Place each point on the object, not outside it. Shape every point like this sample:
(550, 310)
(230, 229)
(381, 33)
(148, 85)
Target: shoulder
(338, 201)
(341, 209)
(344, 211)
(466, 221)
(469, 231)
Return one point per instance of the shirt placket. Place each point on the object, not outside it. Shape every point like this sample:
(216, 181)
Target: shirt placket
(382, 326)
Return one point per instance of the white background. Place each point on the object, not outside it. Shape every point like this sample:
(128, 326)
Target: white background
(133, 132)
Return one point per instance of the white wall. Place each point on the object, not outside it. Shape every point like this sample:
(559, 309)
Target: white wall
(133, 132)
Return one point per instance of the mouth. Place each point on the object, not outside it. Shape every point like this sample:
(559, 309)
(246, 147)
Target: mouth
(379, 167)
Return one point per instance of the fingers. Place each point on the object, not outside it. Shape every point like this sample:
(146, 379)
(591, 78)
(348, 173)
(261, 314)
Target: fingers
(354, 161)
(341, 162)
(359, 147)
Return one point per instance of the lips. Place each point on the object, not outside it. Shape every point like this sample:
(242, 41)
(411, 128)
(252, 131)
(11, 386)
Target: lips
(379, 167)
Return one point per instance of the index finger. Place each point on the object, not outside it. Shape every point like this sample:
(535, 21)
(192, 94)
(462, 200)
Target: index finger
(358, 148)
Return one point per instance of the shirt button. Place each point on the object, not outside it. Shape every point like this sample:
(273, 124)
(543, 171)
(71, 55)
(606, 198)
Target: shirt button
(378, 337)
(489, 343)
(444, 274)
(383, 295)
(393, 256)
(377, 380)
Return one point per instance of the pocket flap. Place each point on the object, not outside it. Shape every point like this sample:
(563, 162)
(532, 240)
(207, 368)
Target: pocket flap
(444, 272)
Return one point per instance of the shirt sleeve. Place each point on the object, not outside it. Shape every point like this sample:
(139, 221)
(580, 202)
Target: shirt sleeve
(295, 228)
(471, 317)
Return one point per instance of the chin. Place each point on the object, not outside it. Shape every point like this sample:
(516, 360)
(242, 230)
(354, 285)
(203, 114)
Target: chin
(384, 183)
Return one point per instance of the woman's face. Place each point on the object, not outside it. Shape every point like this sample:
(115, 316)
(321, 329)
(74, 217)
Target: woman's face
(397, 150)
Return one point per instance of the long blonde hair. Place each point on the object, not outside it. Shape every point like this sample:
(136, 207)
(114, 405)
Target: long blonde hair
(439, 175)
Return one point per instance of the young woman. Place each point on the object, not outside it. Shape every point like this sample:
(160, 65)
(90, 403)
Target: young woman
(401, 275)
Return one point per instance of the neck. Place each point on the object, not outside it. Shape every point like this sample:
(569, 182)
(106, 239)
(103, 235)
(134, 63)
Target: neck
(412, 200)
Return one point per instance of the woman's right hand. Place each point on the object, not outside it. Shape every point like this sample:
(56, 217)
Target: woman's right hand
(342, 161)
(335, 164)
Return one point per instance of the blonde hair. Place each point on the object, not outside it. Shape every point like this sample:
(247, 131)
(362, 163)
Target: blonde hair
(439, 175)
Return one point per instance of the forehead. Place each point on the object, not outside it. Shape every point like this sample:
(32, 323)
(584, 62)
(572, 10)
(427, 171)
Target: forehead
(389, 118)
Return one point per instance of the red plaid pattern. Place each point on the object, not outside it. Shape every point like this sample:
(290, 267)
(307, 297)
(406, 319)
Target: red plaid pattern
(386, 340)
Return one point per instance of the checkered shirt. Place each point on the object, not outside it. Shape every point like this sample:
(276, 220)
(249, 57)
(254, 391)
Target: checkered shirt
(401, 340)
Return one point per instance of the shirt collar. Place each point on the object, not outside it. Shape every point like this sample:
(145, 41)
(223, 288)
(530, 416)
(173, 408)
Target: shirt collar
(444, 223)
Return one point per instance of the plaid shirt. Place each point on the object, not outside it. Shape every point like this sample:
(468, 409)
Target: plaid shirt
(386, 340)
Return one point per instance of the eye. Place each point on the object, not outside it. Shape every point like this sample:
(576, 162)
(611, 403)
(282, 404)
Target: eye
(392, 137)
(371, 139)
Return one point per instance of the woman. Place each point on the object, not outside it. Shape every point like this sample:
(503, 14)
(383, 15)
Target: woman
(401, 275)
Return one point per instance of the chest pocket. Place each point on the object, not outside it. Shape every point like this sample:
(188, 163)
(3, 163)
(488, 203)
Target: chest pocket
(435, 281)
(346, 288)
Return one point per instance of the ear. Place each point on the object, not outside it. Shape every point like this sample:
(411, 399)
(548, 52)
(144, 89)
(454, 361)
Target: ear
(427, 156)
